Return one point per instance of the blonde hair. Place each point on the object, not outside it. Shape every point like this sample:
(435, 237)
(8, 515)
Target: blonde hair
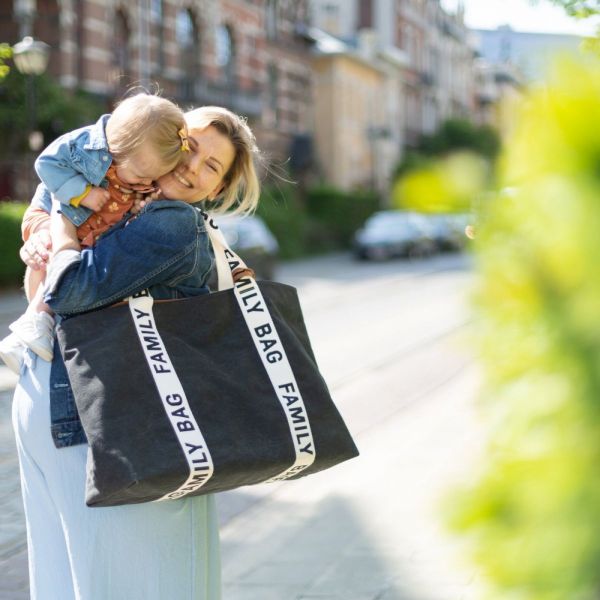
(242, 188)
(146, 119)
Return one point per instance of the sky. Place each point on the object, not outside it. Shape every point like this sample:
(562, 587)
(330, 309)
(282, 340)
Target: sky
(521, 15)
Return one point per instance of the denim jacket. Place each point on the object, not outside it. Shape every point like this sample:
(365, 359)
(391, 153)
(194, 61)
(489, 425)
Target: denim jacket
(73, 161)
(165, 249)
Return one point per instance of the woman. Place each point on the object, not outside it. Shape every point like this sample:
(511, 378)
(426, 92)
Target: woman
(155, 551)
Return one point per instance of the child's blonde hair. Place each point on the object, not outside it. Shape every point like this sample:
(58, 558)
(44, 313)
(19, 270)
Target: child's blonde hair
(241, 186)
(146, 119)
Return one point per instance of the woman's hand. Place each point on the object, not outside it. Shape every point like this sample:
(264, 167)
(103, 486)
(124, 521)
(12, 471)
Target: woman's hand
(35, 252)
(142, 200)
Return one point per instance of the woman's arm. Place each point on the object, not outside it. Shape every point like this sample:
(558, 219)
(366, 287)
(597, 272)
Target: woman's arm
(159, 246)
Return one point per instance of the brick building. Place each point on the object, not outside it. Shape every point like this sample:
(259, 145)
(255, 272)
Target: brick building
(247, 55)
(438, 76)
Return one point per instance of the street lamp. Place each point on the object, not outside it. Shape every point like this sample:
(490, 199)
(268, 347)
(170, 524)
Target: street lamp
(31, 56)
(31, 59)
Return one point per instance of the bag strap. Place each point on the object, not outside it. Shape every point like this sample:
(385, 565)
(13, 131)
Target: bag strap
(172, 394)
(269, 347)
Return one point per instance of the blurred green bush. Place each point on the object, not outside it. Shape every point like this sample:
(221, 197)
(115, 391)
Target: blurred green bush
(11, 267)
(315, 221)
(533, 513)
(57, 113)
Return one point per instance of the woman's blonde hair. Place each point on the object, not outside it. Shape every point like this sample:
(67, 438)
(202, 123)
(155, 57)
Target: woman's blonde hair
(146, 119)
(241, 186)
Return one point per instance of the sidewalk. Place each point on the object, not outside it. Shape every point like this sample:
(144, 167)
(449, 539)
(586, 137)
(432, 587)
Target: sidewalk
(368, 529)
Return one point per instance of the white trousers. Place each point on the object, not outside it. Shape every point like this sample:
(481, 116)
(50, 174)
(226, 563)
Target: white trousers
(154, 551)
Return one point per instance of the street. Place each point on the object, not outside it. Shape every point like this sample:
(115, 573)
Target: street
(391, 341)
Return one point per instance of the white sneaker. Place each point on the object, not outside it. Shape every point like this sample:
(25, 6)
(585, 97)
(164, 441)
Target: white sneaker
(36, 331)
(11, 352)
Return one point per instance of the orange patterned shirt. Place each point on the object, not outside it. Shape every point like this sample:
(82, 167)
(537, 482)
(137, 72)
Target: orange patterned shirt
(121, 200)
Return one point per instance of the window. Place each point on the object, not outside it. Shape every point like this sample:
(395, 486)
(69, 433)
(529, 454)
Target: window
(156, 10)
(224, 46)
(121, 51)
(156, 17)
(273, 95)
(189, 51)
(272, 18)
(184, 29)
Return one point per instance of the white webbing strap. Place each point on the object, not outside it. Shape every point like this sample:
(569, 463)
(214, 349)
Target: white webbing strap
(173, 398)
(270, 349)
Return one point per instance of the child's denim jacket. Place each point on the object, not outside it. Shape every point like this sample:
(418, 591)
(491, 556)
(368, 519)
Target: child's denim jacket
(166, 250)
(73, 161)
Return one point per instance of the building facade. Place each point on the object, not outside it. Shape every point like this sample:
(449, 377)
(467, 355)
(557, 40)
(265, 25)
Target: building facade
(438, 77)
(247, 55)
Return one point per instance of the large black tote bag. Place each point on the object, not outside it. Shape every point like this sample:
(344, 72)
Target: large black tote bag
(200, 395)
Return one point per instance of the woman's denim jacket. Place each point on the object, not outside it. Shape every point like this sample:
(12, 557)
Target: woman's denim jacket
(73, 161)
(165, 249)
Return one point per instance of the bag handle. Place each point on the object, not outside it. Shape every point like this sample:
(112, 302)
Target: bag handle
(225, 258)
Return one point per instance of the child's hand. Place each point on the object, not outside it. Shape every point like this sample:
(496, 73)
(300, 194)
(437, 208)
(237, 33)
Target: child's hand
(96, 198)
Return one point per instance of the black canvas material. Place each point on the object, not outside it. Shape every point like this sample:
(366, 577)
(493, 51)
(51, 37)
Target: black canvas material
(135, 455)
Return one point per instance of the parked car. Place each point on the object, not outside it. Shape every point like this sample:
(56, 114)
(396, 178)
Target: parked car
(391, 233)
(250, 238)
(449, 230)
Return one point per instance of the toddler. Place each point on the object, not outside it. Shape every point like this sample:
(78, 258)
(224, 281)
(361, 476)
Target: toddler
(94, 175)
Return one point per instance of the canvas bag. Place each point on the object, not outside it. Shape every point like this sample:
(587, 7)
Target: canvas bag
(199, 395)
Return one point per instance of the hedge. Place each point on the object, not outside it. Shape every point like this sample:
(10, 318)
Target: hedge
(322, 219)
(11, 267)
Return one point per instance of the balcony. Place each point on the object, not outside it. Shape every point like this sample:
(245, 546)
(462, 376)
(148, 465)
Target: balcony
(207, 93)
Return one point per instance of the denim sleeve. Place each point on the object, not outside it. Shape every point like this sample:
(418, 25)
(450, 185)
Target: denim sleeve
(55, 167)
(156, 248)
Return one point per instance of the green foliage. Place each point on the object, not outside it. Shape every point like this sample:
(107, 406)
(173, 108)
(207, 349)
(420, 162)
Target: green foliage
(451, 184)
(324, 222)
(532, 516)
(57, 111)
(580, 9)
(449, 170)
(342, 213)
(460, 134)
(11, 267)
(283, 214)
(5, 54)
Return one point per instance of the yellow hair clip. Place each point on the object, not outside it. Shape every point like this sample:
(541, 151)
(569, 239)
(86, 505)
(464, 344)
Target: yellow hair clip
(185, 145)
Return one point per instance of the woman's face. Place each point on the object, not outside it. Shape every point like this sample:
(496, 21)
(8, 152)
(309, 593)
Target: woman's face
(200, 175)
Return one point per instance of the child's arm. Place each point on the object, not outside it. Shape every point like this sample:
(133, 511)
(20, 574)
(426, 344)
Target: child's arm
(62, 232)
(58, 171)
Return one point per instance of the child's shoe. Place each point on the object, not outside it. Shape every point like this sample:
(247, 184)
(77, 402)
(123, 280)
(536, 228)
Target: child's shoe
(36, 331)
(11, 352)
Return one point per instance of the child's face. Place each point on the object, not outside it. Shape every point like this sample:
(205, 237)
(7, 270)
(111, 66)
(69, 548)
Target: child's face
(142, 168)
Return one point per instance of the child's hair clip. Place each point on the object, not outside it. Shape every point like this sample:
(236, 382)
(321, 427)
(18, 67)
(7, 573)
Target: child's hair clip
(185, 145)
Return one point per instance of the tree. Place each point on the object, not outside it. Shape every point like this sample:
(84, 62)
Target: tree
(534, 511)
(580, 9)
(5, 53)
(58, 111)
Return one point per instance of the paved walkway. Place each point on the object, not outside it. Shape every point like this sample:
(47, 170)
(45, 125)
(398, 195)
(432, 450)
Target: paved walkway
(14, 582)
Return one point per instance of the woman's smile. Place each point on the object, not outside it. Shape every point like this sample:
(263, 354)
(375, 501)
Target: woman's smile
(182, 179)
